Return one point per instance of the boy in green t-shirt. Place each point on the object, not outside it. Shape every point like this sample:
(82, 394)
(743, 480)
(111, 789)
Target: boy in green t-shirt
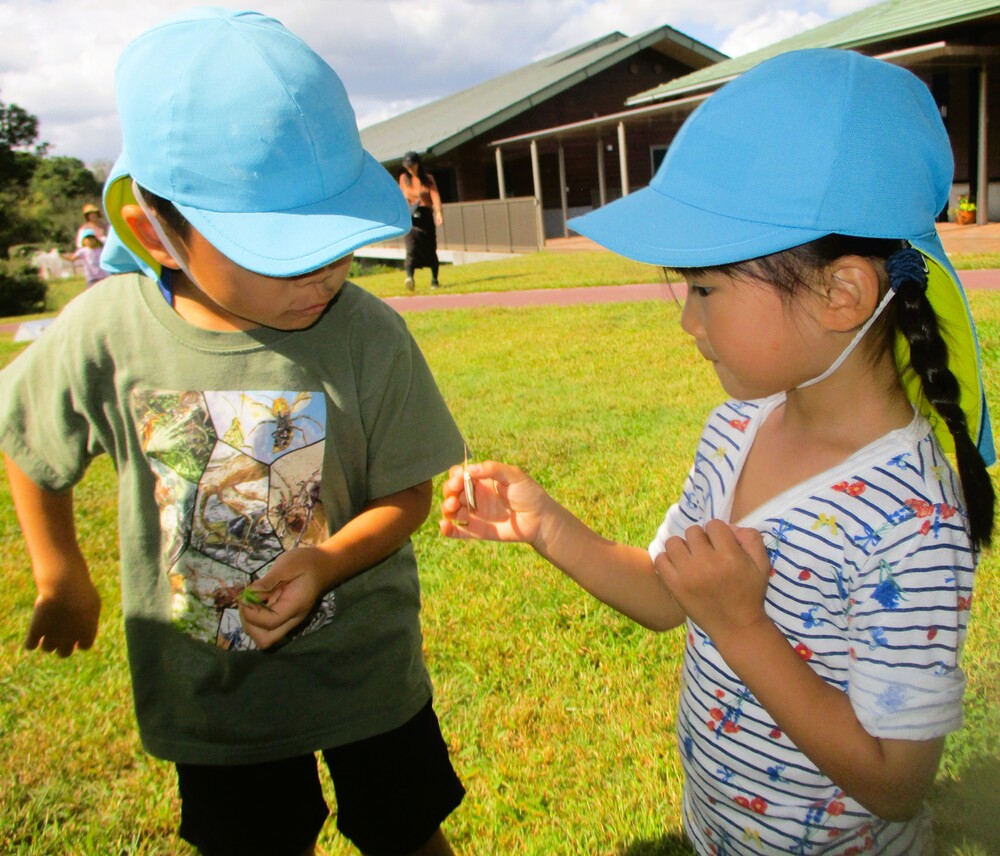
(275, 430)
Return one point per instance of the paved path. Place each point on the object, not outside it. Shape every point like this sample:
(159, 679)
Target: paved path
(971, 279)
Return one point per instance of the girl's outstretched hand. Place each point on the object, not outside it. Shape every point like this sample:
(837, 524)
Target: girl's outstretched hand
(718, 575)
(510, 505)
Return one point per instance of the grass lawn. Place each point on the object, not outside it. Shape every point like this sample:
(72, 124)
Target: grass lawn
(538, 270)
(559, 712)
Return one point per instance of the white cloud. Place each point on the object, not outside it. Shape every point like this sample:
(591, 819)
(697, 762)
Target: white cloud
(766, 29)
(57, 57)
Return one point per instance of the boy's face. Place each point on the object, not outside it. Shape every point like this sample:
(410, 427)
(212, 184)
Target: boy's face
(230, 297)
(226, 296)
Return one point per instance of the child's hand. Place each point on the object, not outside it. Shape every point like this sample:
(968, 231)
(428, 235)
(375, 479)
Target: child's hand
(278, 602)
(66, 617)
(718, 575)
(509, 504)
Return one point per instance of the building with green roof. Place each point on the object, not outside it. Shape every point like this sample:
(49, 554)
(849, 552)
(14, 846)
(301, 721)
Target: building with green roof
(453, 133)
(953, 45)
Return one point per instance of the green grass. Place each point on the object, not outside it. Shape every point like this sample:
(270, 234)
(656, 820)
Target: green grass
(538, 270)
(559, 712)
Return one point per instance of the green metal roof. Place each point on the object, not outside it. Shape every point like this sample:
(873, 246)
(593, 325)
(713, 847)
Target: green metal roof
(443, 124)
(890, 20)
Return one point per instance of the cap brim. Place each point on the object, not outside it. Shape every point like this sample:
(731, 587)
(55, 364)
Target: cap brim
(653, 228)
(122, 251)
(287, 243)
(947, 297)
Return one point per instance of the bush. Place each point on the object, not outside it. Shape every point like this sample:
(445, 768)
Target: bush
(22, 291)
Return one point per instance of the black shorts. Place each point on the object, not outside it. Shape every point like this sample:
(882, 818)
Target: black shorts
(393, 791)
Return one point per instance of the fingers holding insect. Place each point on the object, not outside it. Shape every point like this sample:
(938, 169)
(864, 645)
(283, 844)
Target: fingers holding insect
(508, 503)
(279, 601)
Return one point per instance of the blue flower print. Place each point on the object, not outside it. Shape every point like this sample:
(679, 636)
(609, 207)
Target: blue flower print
(892, 698)
(887, 592)
(878, 637)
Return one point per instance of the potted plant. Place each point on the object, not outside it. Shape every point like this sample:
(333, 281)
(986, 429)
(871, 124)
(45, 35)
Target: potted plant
(965, 213)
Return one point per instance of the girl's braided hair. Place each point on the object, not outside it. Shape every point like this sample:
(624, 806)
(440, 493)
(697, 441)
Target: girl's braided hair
(909, 313)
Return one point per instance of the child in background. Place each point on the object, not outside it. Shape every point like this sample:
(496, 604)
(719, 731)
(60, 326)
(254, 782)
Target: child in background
(822, 552)
(89, 255)
(275, 430)
(92, 221)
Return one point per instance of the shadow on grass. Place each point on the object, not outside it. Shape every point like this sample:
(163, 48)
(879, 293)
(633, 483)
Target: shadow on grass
(669, 845)
(967, 810)
(483, 279)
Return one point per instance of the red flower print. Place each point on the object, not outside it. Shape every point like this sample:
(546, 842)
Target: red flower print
(739, 424)
(743, 801)
(835, 808)
(759, 805)
(803, 651)
(720, 693)
(716, 714)
(730, 727)
(932, 633)
(804, 575)
(964, 603)
(947, 511)
(925, 527)
(850, 488)
(920, 507)
(775, 734)
(833, 833)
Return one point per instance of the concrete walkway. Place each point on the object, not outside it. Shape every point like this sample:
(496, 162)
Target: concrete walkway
(971, 279)
(956, 239)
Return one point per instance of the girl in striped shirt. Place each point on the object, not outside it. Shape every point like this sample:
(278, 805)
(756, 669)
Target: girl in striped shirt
(821, 554)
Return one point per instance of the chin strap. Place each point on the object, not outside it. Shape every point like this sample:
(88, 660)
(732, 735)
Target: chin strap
(905, 265)
(168, 245)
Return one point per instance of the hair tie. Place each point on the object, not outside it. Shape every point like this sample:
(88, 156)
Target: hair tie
(906, 265)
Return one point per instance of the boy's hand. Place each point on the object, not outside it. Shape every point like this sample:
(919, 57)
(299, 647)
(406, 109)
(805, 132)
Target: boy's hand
(509, 504)
(718, 575)
(65, 617)
(286, 595)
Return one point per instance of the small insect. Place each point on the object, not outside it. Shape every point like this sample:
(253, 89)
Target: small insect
(470, 493)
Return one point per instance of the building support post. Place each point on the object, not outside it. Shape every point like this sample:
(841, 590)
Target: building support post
(623, 157)
(562, 190)
(602, 182)
(982, 169)
(536, 177)
(500, 182)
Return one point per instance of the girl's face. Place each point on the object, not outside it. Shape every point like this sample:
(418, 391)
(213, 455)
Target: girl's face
(230, 297)
(758, 342)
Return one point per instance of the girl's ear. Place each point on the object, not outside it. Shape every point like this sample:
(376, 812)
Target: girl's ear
(144, 232)
(851, 293)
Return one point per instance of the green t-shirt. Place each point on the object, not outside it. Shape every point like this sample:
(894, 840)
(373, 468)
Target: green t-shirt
(230, 448)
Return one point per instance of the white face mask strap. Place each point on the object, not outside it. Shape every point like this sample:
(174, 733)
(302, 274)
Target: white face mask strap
(154, 221)
(837, 363)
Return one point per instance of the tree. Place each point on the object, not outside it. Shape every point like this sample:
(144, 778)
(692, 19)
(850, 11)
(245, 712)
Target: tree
(59, 186)
(19, 130)
(19, 151)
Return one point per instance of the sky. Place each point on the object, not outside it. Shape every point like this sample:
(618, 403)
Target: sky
(57, 57)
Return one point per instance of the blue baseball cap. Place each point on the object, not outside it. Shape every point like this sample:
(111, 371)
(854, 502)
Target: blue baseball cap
(250, 134)
(807, 144)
